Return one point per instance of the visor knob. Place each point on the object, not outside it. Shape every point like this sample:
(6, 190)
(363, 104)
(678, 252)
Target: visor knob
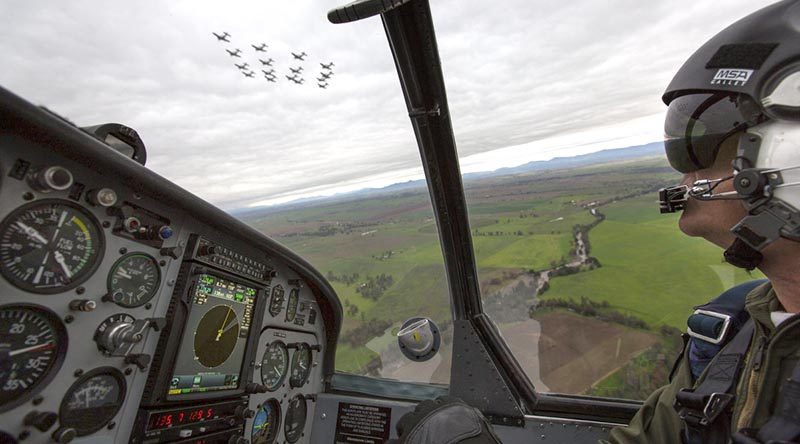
(749, 183)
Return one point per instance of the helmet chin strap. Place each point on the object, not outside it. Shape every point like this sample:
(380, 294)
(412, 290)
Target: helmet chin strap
(741, 255)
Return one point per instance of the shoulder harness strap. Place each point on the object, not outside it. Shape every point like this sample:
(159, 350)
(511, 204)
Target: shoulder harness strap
(701, 408)
(713, 324)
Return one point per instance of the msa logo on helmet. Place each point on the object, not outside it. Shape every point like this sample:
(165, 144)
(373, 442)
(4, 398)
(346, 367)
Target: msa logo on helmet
(733, 77)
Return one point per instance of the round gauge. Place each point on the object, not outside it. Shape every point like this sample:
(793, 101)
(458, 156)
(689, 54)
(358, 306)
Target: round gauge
(274, 365)
(295, 419)
(33, 342)
(93, 400)
(291, 304)
(276, 301)
(216, 336)
(266, 423)
(133, 280)
(49, 246)
(301, 365)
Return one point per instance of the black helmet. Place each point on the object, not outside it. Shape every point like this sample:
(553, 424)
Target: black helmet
(728, 84)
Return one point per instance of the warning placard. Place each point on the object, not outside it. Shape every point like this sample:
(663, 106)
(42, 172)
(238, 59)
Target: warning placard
(362, 424)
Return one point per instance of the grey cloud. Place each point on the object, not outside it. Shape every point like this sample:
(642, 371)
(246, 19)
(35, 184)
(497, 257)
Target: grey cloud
(516, 72)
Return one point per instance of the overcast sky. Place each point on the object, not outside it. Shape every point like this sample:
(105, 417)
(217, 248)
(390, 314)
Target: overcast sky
(526, 79)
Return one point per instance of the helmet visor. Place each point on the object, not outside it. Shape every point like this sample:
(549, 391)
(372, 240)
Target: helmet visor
(696, 125)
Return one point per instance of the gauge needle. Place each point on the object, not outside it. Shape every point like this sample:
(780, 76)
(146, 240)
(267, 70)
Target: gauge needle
(122, 272)
(30, 349)
(60, 260)
(31, 232)
(225, 321)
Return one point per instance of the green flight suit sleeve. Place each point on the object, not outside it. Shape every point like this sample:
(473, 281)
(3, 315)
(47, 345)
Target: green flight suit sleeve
(656, 422)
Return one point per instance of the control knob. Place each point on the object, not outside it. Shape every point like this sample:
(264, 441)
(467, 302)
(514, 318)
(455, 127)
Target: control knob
(243, 412)
(64, 435)
(116, 332)
(53, 178)
(41, 420)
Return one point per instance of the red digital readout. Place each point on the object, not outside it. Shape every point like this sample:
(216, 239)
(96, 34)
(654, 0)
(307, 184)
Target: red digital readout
(180, 417)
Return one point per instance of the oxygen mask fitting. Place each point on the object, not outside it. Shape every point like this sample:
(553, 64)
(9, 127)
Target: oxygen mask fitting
(673, 199)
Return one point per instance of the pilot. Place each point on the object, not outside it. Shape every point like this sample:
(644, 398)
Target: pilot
(733, 130)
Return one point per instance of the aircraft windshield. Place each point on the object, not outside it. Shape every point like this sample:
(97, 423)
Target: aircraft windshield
(299, 128)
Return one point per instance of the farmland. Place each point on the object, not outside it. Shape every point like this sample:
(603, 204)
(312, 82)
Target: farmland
(576, 325)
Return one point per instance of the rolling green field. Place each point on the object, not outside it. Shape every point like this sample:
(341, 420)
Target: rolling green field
(521, 224)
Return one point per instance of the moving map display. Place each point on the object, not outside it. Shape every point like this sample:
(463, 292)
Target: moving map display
(213, 345)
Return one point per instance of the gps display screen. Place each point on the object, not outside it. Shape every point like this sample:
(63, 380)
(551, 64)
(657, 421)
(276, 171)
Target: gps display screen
(213, 345)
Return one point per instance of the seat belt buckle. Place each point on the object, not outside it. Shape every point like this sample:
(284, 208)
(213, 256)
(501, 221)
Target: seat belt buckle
(695, 409)
(716, 404)
(723, 331)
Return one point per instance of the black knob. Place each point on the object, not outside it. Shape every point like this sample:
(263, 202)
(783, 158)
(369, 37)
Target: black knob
(208, 250)
(173, 252)
(54, 178)
(104, 197)
(255, 388)
(140, 360)
(64, 435)
(243, 412)
(41, 420)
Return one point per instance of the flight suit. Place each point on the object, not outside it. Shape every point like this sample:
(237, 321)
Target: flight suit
(770, 360)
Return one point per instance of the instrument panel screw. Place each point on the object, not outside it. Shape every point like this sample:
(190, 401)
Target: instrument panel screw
(128, 371)
(323, 416)
(123, 250)
(162, 262)
(148, 306)
(68, 319)
(171, 282)
(80, 290)
(745, 182)
(28, 196)
(78, 373)
(37, 400)
(106, 224)
(111, 425)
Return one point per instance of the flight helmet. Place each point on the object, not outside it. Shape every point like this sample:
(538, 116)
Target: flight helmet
(745, 83)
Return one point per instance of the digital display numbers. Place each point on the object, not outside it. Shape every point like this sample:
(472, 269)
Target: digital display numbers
(212, 286)
(175, 418)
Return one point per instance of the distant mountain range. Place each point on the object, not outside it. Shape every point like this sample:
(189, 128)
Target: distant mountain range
(556, 163)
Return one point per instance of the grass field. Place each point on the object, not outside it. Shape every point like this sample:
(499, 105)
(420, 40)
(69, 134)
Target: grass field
(649, 270)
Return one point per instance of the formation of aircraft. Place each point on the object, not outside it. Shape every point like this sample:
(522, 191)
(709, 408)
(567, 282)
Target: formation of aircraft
(222, 37)
(269, 74)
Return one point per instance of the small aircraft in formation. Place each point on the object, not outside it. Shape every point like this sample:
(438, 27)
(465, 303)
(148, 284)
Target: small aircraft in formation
(222, 37)
(269, 75)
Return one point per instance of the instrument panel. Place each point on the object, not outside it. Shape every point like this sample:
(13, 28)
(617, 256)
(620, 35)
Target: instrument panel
(132, 311)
